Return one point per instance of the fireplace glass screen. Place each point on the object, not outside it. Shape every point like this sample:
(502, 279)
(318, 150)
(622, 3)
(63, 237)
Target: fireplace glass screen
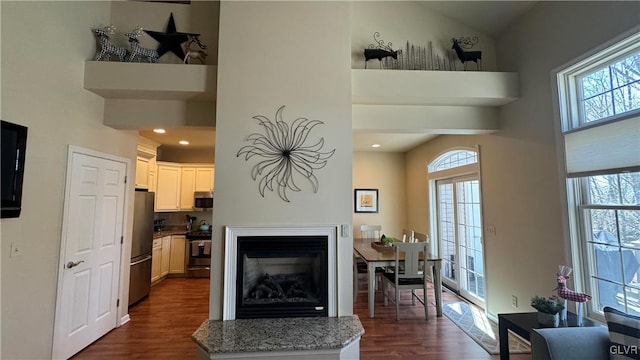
(281, 276)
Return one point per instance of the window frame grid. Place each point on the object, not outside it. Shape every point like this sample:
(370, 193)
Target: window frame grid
(570, 90)
(585, 243)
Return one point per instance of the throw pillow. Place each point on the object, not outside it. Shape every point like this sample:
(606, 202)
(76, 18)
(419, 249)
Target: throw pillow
(624, 334)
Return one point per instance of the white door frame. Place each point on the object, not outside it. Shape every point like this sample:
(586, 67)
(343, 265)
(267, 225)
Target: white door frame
(457, 285)
(123, 273)
(456, 174)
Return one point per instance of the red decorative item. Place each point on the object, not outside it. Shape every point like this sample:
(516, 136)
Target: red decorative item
(565, 292)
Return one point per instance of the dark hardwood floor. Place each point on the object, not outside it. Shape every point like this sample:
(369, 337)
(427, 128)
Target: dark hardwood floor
(161, 328)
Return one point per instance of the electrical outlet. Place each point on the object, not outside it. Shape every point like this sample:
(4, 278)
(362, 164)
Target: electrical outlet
(16, 249)
(514, 301)
(491, 230)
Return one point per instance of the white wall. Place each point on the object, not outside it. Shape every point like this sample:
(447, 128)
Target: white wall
(45, 45)
(273, 54)
(522, 194)
(402, 21)
(383, 171)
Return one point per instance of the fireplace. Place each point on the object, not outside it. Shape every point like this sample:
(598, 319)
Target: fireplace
(280, 272)
(281, 276)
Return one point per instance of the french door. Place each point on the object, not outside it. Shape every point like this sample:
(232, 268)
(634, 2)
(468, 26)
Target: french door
(460, 236)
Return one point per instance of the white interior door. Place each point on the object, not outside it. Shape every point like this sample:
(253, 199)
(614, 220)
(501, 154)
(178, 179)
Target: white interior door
(90, 253)
(460, 234)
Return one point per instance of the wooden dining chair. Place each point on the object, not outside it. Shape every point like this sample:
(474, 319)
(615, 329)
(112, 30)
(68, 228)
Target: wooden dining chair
(407, 235)
(412, 278)
(372, 233)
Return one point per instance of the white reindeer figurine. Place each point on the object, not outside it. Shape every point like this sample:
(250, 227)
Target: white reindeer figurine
(138, 52)
(106, 47)
(199, 54)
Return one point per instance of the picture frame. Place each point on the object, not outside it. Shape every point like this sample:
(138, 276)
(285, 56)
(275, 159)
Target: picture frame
(365, 200)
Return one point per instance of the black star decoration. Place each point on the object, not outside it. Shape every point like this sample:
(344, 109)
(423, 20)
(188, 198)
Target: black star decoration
(170, 39)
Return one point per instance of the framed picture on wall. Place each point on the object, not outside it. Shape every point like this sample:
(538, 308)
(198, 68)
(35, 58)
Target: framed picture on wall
(366, 200)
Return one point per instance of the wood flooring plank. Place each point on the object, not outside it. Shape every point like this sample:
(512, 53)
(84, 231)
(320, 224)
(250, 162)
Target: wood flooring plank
(161, 328)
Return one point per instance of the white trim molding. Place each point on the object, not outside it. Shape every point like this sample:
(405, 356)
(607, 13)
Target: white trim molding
(230, 259)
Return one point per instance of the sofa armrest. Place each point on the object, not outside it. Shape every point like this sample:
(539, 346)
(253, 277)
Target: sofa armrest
(566, 343)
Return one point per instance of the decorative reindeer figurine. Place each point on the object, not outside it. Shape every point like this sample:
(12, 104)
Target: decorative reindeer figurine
(138, 52)
(568, 294)
(107, 49)
(379, 51)
(464, 56)
(199, 54)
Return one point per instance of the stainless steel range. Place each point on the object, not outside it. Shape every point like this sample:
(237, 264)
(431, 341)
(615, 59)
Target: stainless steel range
(199, 253)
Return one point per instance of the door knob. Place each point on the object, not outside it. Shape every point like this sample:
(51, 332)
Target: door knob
(72, 264)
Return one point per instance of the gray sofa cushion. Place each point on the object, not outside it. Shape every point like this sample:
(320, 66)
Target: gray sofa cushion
(624, 332)
(568, 343)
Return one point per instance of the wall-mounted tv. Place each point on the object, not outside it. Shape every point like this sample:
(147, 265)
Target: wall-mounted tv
(14, 145)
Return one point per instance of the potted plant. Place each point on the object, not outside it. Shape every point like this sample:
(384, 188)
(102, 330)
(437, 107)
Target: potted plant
(386, 240)
(548, 309)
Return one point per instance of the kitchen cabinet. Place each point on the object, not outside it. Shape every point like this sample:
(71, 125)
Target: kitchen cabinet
(153, 168)
(168, 187)
(178, 252)
(166, 256)
(142, 173)
(187, 187)
(146, 164)
(204, 178)
(177, 182)
(156, 260)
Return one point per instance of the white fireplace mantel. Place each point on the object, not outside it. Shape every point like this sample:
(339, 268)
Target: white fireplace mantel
(230, 260)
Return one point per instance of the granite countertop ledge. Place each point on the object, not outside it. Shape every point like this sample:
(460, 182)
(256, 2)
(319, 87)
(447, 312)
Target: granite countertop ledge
(169, 232)
(281, 334)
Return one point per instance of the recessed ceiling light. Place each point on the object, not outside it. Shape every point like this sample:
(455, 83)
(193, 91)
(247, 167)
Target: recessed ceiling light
(184, 142)
(375, 145)
(159, 131)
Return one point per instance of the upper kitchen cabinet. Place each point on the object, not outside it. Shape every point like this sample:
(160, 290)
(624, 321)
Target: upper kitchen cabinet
(168, 187)
(187, 188)
(146, 164)
(178, 182)
(204, 178)
(194, 178)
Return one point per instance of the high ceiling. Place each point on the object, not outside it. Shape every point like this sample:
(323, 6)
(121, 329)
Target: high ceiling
(491, 17)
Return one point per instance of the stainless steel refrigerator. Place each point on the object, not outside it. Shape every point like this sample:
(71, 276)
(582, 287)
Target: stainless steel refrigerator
(141, 246)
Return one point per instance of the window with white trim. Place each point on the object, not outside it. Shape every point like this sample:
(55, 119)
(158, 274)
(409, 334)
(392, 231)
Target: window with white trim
(453, 159)
(599, 100)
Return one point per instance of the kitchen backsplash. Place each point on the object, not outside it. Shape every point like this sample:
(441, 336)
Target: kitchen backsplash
(180, 218)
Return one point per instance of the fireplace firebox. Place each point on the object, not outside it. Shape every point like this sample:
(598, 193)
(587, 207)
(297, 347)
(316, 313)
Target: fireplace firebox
(281, 276)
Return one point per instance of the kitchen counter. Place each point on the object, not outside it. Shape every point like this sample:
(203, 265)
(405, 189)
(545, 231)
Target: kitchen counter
(278, 335)
(159, 234)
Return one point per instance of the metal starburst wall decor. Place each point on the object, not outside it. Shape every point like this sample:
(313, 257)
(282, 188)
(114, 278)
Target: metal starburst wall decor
(284, 154)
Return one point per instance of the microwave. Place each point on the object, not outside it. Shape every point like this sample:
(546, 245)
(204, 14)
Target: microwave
(203, 200)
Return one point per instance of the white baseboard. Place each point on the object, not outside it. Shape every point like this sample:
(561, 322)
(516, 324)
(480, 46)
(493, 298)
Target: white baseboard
(125, 319)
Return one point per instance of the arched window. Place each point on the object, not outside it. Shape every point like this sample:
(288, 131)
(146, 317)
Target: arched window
(452, 159)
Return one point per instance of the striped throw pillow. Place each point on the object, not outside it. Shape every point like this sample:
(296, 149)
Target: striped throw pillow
(624, 333)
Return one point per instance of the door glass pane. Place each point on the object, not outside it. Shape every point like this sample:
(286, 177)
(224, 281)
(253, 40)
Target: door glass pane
(469, 235)
(446, 230)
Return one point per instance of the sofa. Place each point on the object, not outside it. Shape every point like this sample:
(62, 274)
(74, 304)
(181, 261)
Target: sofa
(567, 343)
(619, 340)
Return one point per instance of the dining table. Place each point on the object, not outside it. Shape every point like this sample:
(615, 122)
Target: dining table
(378, 256)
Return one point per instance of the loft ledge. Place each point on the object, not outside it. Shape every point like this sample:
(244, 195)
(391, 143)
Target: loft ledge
(447, 88)
(124, 80)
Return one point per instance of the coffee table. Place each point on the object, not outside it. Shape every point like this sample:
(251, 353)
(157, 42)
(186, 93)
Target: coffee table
(522, 323)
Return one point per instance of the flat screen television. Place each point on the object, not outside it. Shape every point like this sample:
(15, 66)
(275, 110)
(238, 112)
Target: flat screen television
(14, 146)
